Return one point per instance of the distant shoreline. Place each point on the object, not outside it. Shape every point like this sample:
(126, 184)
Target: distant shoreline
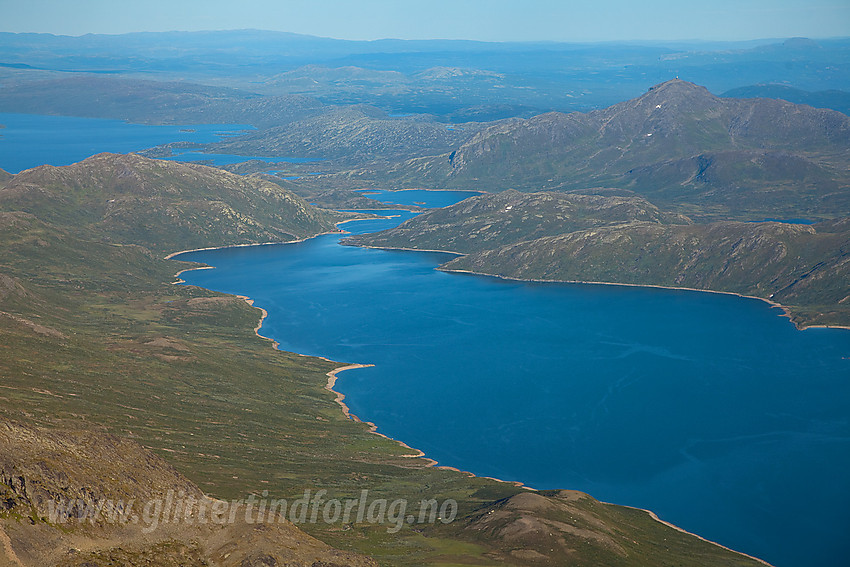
(479, 191)
(249, 244)
(786, 311)
(412, 250)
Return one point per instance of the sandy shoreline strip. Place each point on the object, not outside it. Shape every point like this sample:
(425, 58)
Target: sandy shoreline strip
(655, 517)
(373, 429)
(417, 453)
(411, 250)
(249, 244)
(340, 399)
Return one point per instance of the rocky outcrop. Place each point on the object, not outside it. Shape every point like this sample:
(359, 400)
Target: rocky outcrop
(72, 495)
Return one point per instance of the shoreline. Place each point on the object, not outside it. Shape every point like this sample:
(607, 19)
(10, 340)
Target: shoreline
(373, 429)
(340, 399)
(375, 191)
(247, 245)
(786, 311)
(398, 208)
(411, 250)
(417, 453)
(655, 517)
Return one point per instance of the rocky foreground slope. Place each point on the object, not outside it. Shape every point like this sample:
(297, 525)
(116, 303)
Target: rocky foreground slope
(61, 488)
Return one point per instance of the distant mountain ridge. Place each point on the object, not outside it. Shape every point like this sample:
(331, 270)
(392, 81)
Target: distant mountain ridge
(442, 78)
(153, 102)
(677, 144)
(833, 99)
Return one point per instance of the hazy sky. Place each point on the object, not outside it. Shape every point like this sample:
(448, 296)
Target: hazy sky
(491, 20)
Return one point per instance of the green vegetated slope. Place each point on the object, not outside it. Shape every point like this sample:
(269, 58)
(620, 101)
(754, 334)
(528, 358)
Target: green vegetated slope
(677, 145)
(495, 219)
(129, 199)
(653, 191)
(626, 239)
(94, 335)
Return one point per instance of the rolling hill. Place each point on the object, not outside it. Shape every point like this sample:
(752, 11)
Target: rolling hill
(130, 199)
(76, 468)
(488, 221)
(153, 102)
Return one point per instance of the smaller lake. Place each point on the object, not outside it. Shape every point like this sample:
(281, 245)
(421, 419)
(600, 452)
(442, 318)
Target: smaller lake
(420, 197)
(30, 140)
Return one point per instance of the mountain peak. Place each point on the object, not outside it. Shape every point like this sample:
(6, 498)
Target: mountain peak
(678, 87)
(673, 96)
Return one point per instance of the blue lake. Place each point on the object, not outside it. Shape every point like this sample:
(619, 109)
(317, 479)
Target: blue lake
(711, 410)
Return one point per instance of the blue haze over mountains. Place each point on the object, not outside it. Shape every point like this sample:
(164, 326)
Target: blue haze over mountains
(522, 78)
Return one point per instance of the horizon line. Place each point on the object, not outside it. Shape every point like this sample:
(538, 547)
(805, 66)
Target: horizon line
(442, 39)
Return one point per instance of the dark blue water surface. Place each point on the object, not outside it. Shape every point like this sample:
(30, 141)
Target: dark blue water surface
(712, 410)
